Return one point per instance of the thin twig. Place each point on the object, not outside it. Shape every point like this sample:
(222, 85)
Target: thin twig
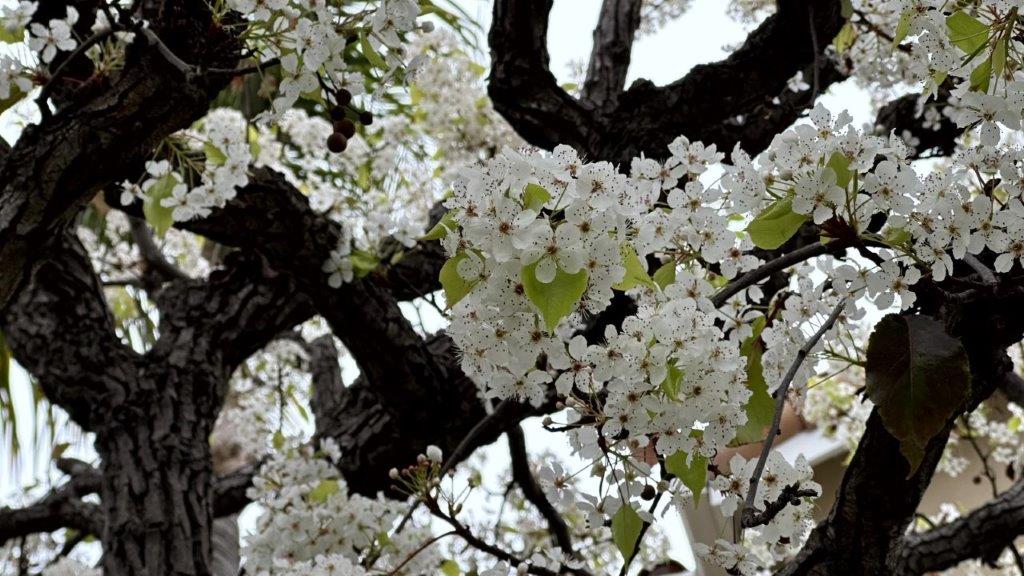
(151, 254)
(985, 272)
(750, 513)
(258, 67)
(460, 451)
(771, 509)
(416, 552)
(184, 67)
(773, 266)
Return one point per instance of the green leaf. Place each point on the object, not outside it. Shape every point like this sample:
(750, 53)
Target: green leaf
(778, 223)
(159, 216)
(846, 8)
(535, 196)
(966, 32)
(324, 490)
(454, 286)
(13, 98)
(981, 76)
(847, 35)
(556, 299)
(214, 155)
(363, 262)
(693, 475)
(670, 385)
(450, 568)
(278, 440)
(840, 164)
(918, 377)
(999, 57)
(626, 527)
(446, 224)
(760, 407)
(665, 275)
(896, 237)
(636, 270)
(372, 56)
(10, 37)
(903, 27)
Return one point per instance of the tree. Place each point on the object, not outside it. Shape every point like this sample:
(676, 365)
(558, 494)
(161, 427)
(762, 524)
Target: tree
(214, 195)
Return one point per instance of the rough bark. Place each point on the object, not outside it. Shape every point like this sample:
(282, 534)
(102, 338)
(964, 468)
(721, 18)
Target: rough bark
(102, 135)
(984, 534)
(613, 48)
(153, 413)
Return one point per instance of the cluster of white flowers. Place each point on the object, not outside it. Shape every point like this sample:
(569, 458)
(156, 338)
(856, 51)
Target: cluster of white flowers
(311, 524)
(310, 40)
(539, 243)
(191, 188)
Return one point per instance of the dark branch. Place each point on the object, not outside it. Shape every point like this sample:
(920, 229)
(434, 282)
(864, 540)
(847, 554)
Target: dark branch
(61, 508)
(55, 167)
(982, 534)
(532, 491)
(613, 47)
(704, 105)
(60, 329)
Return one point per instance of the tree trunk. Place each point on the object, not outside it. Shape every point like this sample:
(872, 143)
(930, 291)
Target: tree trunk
(157, 485)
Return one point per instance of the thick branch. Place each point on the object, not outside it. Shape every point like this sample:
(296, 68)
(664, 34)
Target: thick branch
(859, 538)
(984, 534)
(61, 508)
(55, 167)
(704, 105)
(613, 46)
(60, 329)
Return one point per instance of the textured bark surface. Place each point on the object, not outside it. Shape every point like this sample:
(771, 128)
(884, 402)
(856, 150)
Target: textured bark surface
(102, 136)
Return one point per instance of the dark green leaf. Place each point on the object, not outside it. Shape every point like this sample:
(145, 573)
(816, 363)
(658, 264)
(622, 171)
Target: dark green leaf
(760, 407)
(918, 378)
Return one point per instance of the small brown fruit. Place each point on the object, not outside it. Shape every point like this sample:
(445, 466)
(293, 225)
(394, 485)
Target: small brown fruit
(343, 96)
(337, 143)
(345, 127)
